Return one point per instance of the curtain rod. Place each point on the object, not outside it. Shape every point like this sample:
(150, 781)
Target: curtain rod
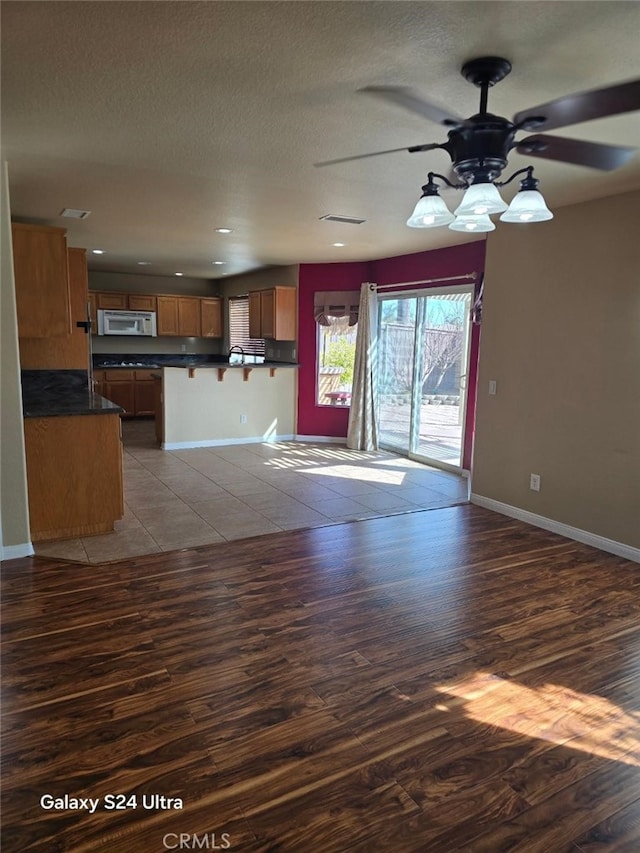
(470, 275)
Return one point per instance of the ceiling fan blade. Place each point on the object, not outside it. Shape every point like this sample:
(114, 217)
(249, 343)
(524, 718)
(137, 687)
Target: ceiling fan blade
(596, 155)
(412, 150)
(583, 106)
(409, 99)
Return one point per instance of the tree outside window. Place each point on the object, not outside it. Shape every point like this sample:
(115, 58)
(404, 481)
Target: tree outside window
(336, 355)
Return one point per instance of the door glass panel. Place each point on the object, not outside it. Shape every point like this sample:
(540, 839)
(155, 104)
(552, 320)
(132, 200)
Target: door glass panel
(423, 353)
(444, 344)
(396, 358)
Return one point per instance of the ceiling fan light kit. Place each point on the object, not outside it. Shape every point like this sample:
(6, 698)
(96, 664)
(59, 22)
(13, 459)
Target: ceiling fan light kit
(479, 147)
(474, 224)
(431, 210)
(479, 199)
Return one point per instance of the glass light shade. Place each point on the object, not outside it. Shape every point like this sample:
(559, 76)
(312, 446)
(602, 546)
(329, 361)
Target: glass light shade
(472, 224)
(480, 199)
(527, 206)
(430, 212)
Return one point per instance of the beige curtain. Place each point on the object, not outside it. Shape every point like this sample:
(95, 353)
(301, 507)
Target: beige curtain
(362, 433)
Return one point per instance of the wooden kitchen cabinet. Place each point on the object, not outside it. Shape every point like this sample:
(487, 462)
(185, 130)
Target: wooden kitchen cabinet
(132, 390)
(273, 313)
(143, 393)
(211, 317)
(41, 271)
(99, 382)
(179, 315)
(93, 312)
(176, 316)
(167, 317)
(74, 474)
(142, 302)
(189, 316)
(68, 352)
(119, 388)
(113, 301)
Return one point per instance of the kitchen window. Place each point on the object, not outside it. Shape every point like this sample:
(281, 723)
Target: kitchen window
(253, 348)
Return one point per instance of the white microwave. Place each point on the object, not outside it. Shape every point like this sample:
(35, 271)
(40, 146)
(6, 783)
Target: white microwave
(139, 323)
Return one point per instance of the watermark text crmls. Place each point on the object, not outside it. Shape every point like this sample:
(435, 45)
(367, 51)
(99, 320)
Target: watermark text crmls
(193, 841)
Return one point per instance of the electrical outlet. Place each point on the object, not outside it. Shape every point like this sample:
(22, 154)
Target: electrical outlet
(534, 482)
(243, 419)
(183, 347)
(492, 386)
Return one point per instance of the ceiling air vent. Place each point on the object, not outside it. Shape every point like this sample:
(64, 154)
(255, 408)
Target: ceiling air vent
(72, 213)
(349, 220)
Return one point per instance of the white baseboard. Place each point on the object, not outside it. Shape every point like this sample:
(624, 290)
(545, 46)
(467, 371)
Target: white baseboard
(224, 442)
(13, 552)
(601, 542)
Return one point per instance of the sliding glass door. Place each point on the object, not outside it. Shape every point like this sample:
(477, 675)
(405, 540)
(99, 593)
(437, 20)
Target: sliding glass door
(423, 358)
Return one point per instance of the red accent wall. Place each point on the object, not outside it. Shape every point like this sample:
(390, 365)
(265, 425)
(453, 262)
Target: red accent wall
(314, 419)
(454, 260)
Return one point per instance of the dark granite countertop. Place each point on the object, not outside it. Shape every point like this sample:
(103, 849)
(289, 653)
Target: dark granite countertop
(182, 363)
(73, 403)
(263, 364)
(55, 393)
(105, 361)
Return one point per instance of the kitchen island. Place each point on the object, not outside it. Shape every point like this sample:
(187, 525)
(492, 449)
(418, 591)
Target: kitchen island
(206, 405)
(73, 452)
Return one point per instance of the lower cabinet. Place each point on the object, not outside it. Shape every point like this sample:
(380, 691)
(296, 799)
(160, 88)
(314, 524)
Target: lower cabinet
(132, 390)
(144, 402)
(74, 475)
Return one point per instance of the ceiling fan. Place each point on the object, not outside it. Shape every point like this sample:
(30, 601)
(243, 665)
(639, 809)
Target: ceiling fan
(479, 146)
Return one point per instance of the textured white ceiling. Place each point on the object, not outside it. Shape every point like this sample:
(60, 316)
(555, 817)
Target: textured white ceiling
(169, 119)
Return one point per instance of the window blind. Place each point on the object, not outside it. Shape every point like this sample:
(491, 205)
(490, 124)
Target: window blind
(239, 327)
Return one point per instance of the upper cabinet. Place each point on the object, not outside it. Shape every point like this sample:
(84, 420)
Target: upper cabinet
(126, 301)
(112, 301)
(176, 316)
(211, 317)
(63, 352)
(42, 281)
(189, 316)
(142, 302)
(273, 314)
(93, 312)
(167, 318)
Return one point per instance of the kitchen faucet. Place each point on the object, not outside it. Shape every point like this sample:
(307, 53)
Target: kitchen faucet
(235, 349)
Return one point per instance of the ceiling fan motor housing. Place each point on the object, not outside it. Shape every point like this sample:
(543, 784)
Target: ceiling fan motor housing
(479, 147)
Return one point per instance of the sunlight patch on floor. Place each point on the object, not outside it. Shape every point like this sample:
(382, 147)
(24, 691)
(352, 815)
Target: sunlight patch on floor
(551, 712)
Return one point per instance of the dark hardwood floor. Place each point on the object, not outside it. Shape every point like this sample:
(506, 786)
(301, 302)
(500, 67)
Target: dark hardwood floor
(451, 680)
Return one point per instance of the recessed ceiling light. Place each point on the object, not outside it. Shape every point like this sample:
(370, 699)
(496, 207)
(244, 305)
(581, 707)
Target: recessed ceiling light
(179, 273)
(98, 251)
(224, 230)
(219, 263)
(338, 244)
(144, 263)
(74, 213)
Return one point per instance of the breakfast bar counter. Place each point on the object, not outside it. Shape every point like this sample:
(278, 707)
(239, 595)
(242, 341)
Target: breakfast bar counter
(204, 405)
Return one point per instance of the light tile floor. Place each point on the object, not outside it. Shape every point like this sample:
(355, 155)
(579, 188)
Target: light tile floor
(183, 498)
